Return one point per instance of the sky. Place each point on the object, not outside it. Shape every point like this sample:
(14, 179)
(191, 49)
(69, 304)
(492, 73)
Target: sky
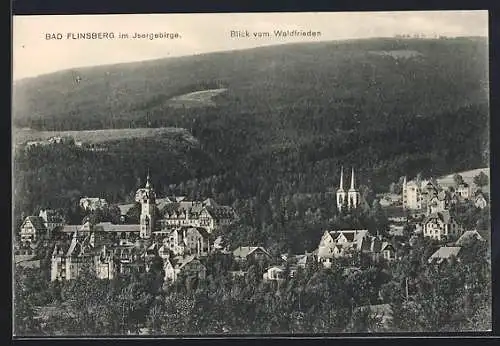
(34, 55)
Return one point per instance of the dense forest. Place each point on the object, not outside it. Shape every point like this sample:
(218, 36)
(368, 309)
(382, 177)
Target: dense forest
(292, 115)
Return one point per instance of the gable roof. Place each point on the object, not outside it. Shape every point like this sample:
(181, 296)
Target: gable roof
(51, 216)
(386, 246)
(245, 251)
(37, 222)
(182, 262)
(202, 231)
(350, 235)
(445, 252)
(124, 208)
(469, 235)
(443, 216)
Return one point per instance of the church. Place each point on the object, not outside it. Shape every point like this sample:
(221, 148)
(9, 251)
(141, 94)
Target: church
(199, 214)
(349, 199)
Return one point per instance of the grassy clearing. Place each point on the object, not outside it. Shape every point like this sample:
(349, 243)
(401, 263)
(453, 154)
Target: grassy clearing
(99, 136)
(203, 98)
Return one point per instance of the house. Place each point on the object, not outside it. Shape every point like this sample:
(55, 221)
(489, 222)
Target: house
(32, 229)
(387, 251)
(468, 236)
(480, 201)
(388, 200)
(213, 216)
(197, 240)
(186, 266)
(302, 260)
(463, 191)
(396, 230)
(92, 203)
(175, 241)
(444, 254)
(440, 226)
(275, 273)
(438, 202)
(417, 193)
(251, 253)
(334, 244)
(105, 264)
(51, 219)
(68, 260)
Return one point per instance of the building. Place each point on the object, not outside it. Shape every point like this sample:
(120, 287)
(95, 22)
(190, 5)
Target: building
(334, 244)
(174, 241)
(274, 273)
(69, 261)
(438, 202)
(463, 191)
(441, 226)
(389, 199)
(444, 254)
(92, 203)
(51, 219)
(387, 251)
(251, 253)
(417, 194)
(469, 236)
(178, 212)
(116, 231)
(188, 240)
(32, 229)
(105, 264)
(350, 199)
(188, 266)
(412, 198)
(147, 198)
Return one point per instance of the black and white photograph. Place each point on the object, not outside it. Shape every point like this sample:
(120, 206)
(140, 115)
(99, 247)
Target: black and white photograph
(250, 174)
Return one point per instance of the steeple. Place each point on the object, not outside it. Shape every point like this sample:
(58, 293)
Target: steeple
(148, 182)
(341, 186)
(352, 180)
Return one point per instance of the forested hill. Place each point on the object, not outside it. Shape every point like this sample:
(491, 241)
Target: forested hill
(280, 118)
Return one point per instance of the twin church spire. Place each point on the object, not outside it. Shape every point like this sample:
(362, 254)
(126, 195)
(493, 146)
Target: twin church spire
(341, 185)
(351, 198)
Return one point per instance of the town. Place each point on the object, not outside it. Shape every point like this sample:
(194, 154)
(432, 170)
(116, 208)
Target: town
(182, 235)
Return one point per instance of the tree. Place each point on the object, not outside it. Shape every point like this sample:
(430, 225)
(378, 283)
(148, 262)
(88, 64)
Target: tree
(458, 179)
(481, 179)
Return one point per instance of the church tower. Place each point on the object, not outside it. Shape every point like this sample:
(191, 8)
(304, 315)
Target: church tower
(341, 195)
(146, 196)
(353, 194)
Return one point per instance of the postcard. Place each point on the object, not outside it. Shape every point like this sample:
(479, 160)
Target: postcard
(251, 174)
